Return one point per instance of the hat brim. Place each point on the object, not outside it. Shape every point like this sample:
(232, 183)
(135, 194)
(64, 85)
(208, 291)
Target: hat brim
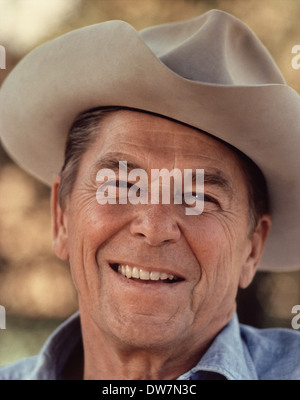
(87, 68)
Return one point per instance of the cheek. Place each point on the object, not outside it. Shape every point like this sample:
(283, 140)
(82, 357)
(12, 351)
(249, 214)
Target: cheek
(215, 244)
(88, 229)
(92, 226)
(218, 245)
(210, 240)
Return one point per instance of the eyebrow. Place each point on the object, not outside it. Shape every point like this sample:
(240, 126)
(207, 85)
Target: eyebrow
(217, 179)
(115, 162)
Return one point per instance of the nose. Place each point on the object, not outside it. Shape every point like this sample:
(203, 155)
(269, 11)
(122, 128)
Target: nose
(156, 225)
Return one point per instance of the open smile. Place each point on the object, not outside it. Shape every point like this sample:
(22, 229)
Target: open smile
(137, 273)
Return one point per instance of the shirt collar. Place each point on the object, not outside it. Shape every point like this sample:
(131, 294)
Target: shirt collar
(58, 348)
(227, 357)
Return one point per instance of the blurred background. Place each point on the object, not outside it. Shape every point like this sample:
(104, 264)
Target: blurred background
(35, 287)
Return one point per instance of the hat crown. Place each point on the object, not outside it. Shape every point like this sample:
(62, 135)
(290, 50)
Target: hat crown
(214, 48)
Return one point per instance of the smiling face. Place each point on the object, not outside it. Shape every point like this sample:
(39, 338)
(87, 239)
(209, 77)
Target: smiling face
(123, 257)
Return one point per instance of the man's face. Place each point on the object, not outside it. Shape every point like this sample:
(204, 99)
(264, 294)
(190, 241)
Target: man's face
(208, 254)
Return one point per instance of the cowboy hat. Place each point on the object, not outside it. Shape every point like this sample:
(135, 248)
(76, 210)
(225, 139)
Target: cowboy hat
(210, 72)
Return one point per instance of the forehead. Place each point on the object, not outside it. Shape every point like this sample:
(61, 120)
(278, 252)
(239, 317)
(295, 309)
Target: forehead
(149, 142)
(158, 139)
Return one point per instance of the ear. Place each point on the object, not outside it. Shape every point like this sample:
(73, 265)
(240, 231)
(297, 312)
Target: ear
(59, 224)
(254, 252)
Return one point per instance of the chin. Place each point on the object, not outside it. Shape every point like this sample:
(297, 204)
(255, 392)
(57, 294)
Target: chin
(148, 332)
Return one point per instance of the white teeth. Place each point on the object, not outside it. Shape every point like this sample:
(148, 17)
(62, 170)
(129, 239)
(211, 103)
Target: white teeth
(135, 273)
(154, 276)
(123, 270)
(138, 273)
(128, 272)
(145, 275)
(164, 276)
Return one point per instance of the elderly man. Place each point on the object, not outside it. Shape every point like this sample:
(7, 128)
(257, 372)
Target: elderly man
(157, 281)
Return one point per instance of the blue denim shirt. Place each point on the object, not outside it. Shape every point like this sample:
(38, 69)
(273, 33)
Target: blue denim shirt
(239, 352)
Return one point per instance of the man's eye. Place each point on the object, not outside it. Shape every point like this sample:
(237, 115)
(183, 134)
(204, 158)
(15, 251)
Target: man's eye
(115, 188)
(117, 184)
(123, 184)
(192, 198)
(210, 199)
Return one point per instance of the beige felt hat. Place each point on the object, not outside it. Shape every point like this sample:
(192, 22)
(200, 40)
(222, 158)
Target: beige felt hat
(210, 72)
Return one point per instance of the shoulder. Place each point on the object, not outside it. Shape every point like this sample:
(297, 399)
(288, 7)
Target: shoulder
(49, 363)
(19, 370)
(275, 352)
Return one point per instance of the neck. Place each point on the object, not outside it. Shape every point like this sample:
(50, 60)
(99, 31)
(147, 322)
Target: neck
(109, 357)
(134, 364)
(106, 358)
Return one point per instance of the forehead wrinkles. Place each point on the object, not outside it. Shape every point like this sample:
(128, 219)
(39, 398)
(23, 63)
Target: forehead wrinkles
(144, 127)
(155, 139)
(155, 136)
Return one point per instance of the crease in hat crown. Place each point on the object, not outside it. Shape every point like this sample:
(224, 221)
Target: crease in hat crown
(235, 55)
(211, 72)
